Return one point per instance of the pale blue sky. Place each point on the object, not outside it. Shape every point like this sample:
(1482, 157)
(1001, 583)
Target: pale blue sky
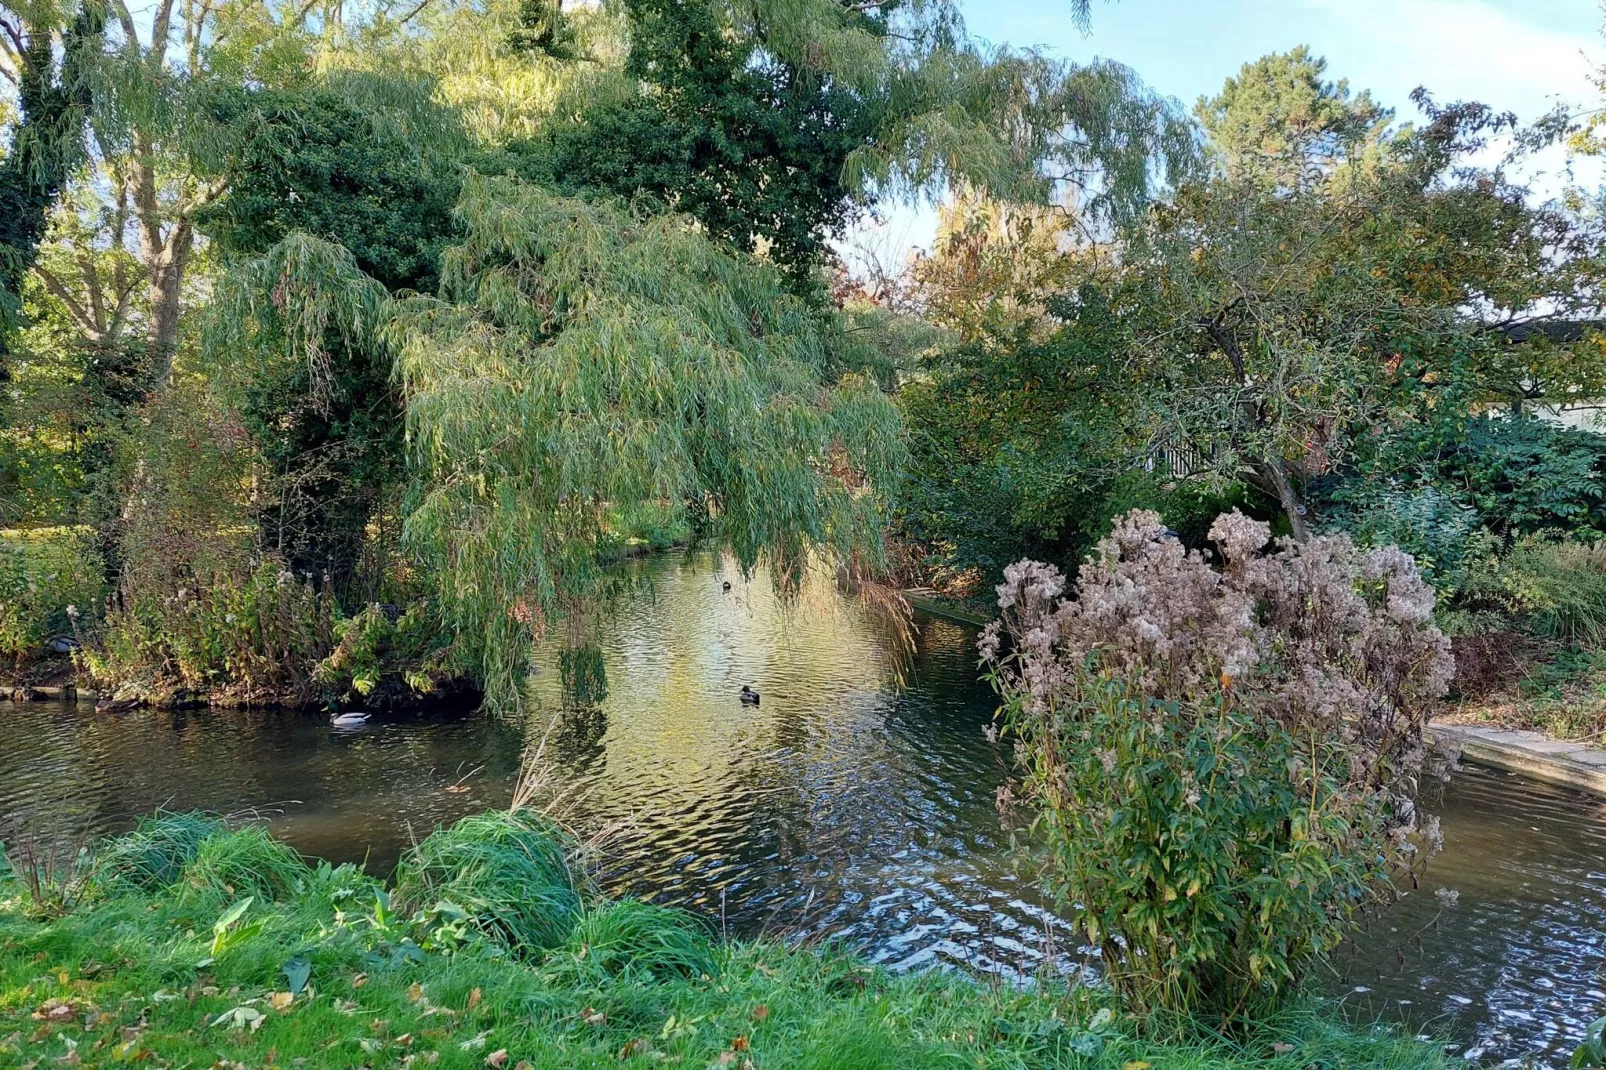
(1518, 55)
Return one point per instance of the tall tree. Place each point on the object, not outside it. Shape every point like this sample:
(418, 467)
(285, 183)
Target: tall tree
(49, 64)
(1280, 122)
(774, 123)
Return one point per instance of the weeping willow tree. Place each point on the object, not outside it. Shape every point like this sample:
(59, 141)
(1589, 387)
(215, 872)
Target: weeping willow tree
(573, 358)
(582, 357)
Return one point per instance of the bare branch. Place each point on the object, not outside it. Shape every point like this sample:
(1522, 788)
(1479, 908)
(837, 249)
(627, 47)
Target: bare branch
(14, 32)
(161, 28)
(86, 322)
(414, 13)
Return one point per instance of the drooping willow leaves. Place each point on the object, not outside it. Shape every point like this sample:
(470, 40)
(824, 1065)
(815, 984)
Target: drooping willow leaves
(581, 356)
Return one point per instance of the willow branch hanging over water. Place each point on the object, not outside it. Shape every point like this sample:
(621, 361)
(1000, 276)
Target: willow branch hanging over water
(581, 357)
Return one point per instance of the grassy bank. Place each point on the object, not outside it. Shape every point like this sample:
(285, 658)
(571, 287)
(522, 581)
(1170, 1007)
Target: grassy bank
(186, 944)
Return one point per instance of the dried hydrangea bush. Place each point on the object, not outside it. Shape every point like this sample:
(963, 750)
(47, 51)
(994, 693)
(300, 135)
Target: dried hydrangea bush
(1221, 752)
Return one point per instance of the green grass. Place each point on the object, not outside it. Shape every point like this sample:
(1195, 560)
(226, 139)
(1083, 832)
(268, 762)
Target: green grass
(327, 975)
(155, 853)
(507, 874)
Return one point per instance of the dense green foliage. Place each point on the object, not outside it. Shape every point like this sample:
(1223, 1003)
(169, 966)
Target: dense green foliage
(318, 967)
(52, 80)
(509, 876)
(41, 574)
(581, 356)
(722, 129)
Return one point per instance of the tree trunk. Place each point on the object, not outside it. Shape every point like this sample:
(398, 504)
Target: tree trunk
(1275, 474)
(164, 255)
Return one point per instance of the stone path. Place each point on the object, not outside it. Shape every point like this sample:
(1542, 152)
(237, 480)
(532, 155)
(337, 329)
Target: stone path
(1575, 765)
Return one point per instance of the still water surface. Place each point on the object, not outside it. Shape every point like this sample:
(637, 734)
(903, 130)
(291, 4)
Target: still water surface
(856, 800)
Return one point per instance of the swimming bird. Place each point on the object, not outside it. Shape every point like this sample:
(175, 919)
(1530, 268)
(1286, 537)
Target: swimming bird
(118, 705)
(350, 719)
(748, 696)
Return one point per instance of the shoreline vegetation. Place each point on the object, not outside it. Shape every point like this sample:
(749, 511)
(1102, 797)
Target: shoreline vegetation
(187, 943)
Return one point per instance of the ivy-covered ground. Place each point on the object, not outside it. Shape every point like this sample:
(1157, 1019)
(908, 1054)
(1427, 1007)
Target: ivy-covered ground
(187, 944)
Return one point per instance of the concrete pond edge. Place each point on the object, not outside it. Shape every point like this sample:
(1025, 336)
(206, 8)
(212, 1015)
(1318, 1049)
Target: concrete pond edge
(1554, 761)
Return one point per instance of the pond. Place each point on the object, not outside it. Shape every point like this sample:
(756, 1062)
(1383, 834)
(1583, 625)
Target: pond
(856, 799)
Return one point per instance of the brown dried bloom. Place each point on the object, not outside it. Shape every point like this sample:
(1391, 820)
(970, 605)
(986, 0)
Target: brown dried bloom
(1335, 643)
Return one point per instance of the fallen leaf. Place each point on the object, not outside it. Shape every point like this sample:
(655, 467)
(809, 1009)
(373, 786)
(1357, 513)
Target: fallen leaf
(416, 992)
(632, 1047)
(359, 980)
(760, 1013)
(524, 1064)
(592, 1016)
(457, 789)
(739, 1044)
(53, 1010)
(240, 1018)
(1282, 1049)
(726, 1058)
(497, 1059)
(281, 1000)
(405, 1040)
(474, 998)
(1135, 1064)
(475, 1043)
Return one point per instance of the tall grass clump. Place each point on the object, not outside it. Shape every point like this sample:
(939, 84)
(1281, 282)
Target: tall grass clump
(1222, 761)
(244, 862)
(642, 941)
(1558, 586)
(508, 873)
(155, 853)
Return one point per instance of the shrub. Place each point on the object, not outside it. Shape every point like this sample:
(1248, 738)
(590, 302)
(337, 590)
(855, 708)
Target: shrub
(1222, 761)
(1525, 474)
(627, 937)
(155, 853)
(509, 873)
(1557, 587)
(255, 628)
(407, 653)
(1443, 535)
(42, 574)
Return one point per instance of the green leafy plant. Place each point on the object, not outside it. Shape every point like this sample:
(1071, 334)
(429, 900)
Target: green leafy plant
(1557, 587)
(227, 930)
(246, 860)
(46, 577)
(380, 650)
(1592, 1052)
